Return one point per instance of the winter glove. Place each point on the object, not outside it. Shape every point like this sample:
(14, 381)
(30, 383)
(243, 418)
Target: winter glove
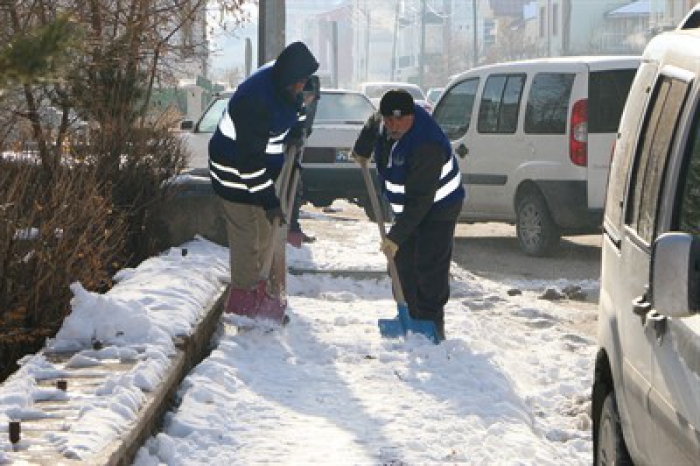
(276, 213)
(389, 248)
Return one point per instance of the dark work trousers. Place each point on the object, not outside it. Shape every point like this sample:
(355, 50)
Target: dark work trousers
(423, 263)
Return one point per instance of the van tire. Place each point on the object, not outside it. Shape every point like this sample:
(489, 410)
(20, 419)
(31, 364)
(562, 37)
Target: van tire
(537, 233)
(611, 448)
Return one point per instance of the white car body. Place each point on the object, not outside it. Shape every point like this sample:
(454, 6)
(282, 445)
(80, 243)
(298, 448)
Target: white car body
(646, 394)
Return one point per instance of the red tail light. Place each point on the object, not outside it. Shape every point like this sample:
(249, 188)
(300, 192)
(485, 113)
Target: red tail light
(578, 137)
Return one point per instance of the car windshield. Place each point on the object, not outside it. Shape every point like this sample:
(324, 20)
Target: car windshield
(211, 118)
(351, 108)
(377, 90)
(434, 94)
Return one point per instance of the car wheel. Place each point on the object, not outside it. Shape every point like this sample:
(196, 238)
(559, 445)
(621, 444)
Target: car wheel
(537, 232)
(611, 449)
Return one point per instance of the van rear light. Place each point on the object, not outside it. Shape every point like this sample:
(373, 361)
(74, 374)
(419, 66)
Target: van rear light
(578, 138)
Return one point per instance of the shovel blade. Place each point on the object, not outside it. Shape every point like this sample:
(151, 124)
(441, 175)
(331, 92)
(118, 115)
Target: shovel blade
(404, 324)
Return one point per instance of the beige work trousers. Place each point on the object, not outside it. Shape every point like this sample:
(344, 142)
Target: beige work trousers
(249, 242)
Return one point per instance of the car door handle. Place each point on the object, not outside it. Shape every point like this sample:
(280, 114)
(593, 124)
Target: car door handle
(462, 151)
(640, 306)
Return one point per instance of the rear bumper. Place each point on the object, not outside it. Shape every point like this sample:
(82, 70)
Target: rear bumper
(568, 204)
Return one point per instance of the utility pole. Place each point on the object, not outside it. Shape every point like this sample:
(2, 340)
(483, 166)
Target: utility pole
(396, 37)
(421, 59)
(474, 41)
(271, 29)
(368, 15)
(334, 51)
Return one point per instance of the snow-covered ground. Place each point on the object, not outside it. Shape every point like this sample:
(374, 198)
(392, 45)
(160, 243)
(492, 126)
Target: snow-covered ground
(510, 385)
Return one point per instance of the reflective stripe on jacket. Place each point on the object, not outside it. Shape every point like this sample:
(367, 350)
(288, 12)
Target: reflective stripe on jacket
(394, 173)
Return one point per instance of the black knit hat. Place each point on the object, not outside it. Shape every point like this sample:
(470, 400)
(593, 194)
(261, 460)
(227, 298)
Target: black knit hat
(397, 102)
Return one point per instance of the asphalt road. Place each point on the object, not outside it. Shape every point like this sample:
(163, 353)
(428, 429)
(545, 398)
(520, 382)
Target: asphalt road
(491, 250)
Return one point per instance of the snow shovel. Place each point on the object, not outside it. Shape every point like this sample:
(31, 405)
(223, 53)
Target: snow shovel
(403, 323)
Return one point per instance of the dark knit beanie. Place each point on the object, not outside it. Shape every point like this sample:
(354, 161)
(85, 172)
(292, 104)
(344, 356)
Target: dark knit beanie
(396, 102)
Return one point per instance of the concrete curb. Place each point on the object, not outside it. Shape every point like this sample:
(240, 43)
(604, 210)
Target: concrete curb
(191, 351)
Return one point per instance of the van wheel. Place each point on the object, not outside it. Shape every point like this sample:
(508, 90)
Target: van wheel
(537, 232)
(611, 448)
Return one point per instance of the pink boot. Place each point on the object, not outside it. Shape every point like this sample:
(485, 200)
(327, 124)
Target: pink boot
(268, 306)
(242, 302)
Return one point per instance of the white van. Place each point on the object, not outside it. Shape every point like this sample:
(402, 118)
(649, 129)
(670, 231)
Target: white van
(534, 140)
(646, 393)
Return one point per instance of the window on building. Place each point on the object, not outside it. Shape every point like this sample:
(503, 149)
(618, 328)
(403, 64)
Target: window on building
(543, 22)
(555, 19)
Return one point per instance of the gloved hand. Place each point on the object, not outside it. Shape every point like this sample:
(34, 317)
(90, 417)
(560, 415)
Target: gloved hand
(389, 248)
(276, 213)
(359, 159)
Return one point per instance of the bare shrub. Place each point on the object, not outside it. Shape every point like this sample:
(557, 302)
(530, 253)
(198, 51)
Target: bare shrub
(50, 236)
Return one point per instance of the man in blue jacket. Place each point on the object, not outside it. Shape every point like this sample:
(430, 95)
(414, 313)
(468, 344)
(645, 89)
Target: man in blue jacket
(264, 107)
(422, 183)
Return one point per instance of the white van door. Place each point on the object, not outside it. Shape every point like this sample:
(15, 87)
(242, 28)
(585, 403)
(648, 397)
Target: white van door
(496, 147)
(454, 115)
(608, 86)
(675, 395)
(642, 342)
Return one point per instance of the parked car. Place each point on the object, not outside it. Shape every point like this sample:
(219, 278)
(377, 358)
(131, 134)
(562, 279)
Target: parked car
(433, 95)
(329, 173)
(646, 391)
(375, 91)
(539, 150)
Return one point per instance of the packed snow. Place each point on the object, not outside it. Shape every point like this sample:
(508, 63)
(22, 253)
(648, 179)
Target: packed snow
(509, 386)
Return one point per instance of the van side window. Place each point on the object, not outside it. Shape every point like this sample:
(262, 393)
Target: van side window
(454, 114)
(620, 167)
(498, 111)
(657, 138)
(607, 94)
(548, 103)
(689, 212)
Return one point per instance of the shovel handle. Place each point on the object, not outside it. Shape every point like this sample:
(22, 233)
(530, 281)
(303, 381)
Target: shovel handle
(379, 216)
(288, 177)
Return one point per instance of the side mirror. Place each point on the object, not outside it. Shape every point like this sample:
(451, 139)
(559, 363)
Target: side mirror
(187, 125)
(675, 275)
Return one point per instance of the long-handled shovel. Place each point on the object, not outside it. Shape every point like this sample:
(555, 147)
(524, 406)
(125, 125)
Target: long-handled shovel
(403, 323)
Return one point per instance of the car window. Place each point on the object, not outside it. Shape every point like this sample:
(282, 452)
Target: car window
(350, 108)
(548, 103)
(625, 147)
(689, 212)
(657, 138)
(607, 94)
(210, 119)
(498, 111)
(454, 113)
(434, 94)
